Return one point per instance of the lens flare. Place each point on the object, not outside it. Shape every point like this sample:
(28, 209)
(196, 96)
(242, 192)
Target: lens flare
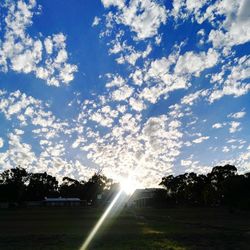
(100, 222)
(128, 185)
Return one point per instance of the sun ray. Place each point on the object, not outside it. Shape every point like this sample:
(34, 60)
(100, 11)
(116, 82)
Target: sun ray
(100, 222)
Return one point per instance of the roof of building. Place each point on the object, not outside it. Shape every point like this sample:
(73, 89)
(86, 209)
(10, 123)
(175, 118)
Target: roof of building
(145, 193)
(60, 199)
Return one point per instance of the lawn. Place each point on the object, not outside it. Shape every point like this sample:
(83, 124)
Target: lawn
(66, 228)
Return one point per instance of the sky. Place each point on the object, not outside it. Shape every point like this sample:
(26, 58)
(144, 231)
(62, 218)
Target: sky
(132, 88)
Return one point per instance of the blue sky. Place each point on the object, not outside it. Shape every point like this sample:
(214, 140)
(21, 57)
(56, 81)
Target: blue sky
(131, 88)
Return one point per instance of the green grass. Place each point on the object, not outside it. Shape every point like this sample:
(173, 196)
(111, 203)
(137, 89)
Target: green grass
(176, 229)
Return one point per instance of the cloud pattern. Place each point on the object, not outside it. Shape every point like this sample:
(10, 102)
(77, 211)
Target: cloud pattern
(115, 130)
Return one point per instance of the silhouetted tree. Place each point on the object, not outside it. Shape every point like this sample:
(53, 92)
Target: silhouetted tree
(220, 187)
(95, 186)
(217, 178)
(72, 188)
(235, 191)
(41, 185)
(12, 184)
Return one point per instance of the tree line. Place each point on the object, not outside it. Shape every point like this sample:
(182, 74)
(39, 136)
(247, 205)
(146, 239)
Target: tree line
(223, 186)
(17, 186)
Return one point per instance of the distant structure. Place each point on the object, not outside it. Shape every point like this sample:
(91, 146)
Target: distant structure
(142, 197)
(62, 202)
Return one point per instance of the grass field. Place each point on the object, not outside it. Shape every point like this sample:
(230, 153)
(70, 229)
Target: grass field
(66, 228)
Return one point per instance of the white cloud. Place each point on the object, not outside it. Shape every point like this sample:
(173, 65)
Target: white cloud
(146, 149)
(175, 72)
(201, 34)
(184, 8)
(225, 149)
(191, 98)
(236, 89)
(137, 77)
(20, 52)
(186, 163)
(30, 111)
(161, 79)
(143, 17)
(200, 139)
(96, 21)
(235, 29)
(217, 125)
(191, 63)
(122, 93)
(117, 81)
(230, 19)
(234, 127)
(78, 142)
(48, 137)
(145, 24)
(1, 142)
(236, 83)
(50, 159)
(127, 53)
(136, 104)
(242, 162)
(18, 154)
(103, 120)
(108, 3)
(48, 43)
(237, 115)
(158, 39)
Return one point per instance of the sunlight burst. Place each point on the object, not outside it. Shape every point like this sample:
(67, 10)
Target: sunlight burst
(128, 185)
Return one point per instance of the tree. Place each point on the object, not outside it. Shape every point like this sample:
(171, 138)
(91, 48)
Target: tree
(41, 185)
(193, 189)
(217, 178)
(220, 173)
(168, 183)
(235, 191)
(12, 184)
(72, 188)
(95, 186)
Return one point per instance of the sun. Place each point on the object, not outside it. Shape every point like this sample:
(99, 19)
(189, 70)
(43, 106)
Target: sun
(128, 185)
